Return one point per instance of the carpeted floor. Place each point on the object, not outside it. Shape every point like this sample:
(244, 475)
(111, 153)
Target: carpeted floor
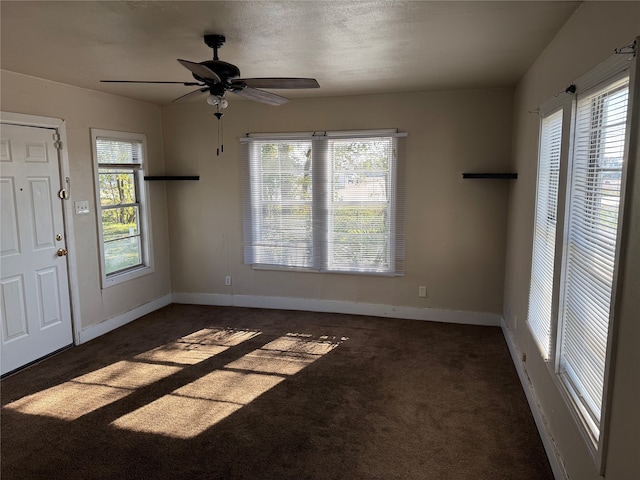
(198, 392)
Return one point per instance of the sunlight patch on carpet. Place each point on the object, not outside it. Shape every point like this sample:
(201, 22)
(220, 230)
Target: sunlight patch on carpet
(94, 390)
(284, 356)
(181, 353)
(84, 394)
(198, 346)
(190, 410)
(197, 406)
(220, 336)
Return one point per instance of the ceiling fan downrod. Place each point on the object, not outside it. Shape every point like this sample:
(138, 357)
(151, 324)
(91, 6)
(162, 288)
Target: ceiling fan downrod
(214, 41)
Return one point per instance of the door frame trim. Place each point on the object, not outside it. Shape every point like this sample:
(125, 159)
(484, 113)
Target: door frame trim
(60, 126)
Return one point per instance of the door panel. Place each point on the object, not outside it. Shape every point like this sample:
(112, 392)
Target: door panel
(41, 213)
(9, 220)
(35, 313)
(13, 308)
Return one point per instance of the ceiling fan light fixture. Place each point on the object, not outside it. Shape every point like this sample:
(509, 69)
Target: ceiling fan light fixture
(217, 101)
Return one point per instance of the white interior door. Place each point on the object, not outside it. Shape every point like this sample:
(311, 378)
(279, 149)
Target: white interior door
(34, 290)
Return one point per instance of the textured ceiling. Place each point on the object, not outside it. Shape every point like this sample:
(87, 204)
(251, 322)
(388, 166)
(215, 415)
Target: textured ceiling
(350, 47)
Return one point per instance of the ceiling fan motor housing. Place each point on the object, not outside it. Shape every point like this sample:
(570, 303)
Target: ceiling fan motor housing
(224, 70)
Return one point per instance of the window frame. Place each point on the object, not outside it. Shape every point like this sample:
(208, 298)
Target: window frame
(606, 73)
(144, 222)
(322, 185)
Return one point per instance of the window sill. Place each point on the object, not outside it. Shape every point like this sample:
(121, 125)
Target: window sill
(315, 270)
(126, 276)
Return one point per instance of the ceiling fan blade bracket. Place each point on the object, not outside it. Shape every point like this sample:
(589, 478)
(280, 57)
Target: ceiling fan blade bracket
(237, 86)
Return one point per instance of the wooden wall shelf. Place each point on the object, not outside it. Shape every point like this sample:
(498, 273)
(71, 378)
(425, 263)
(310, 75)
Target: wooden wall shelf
(172, 177)
(501, 176)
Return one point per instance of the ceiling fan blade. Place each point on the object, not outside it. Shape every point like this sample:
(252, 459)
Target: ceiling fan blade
(261, 96)
(191, 95)
(278, 82)
(186, 84)
(200, 70)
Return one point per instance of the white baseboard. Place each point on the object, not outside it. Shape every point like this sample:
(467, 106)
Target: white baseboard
(94, 331)
(337, 306)
(287, 303)
(529, 390)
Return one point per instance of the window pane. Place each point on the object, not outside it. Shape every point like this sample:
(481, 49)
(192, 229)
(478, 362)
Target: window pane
(283, 228)
(118, 151)
(360, 238)
(285, 171)
(285, 235)
(122, 254)
(117, 187)
(366, 155)
(359, 225)
(120, 223)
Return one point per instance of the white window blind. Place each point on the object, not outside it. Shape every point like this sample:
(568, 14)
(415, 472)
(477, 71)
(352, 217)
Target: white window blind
(361, 204)
(544, 236)
(590, 248)
(280, 218)
(324, 202)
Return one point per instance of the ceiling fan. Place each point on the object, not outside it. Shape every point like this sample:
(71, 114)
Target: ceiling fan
(215, 78)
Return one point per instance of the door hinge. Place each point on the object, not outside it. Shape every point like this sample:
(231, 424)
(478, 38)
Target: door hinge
(56, 141)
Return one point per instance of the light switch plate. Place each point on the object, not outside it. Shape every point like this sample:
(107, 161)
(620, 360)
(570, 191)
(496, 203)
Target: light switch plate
(82, 207)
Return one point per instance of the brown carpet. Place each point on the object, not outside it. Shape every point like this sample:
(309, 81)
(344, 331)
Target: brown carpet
(198, 392)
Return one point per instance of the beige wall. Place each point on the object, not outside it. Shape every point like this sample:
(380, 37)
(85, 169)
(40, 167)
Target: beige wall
(82, 110)
(588, 38)
(455, 229)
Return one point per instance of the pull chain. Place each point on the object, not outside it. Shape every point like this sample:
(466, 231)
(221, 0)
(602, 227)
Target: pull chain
(221, 136)
(220, 148)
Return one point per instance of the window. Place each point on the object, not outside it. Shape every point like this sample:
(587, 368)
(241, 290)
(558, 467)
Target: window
(573, 271)
(327, 202)
(544, 240)
(590, 249)
(123, 223)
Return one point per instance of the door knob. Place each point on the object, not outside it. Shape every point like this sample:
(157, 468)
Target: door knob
(62, 252)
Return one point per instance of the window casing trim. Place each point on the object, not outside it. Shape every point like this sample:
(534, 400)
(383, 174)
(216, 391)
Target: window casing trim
(139, 169)
(321, 203)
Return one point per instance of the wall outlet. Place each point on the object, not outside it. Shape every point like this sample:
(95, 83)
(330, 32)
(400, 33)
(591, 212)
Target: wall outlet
(422, 291)
(227, 280)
